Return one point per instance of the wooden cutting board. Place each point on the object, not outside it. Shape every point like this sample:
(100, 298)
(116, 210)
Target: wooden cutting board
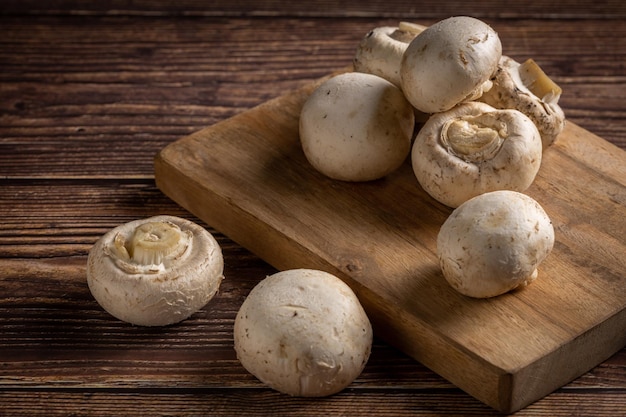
(248, 178)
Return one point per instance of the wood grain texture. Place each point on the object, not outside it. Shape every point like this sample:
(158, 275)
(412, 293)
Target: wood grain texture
(565, 9)
(91, 91)
(100, 96)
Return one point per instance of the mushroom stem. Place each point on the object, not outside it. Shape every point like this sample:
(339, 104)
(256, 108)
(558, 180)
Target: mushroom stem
(533, 77)
(153, 241)
(410, 27)
(526, 88)
(474, 138)
(149, 244)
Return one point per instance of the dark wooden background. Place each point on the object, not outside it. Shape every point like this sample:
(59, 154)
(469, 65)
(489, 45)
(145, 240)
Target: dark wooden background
(91, 91)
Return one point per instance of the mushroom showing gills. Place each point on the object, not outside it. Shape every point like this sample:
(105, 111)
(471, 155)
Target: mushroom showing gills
(494, 243)
(155, 271)
(525, 87)
(303, 332)
(473, 149)
(356, 127)
(450, 62)
(380, 51)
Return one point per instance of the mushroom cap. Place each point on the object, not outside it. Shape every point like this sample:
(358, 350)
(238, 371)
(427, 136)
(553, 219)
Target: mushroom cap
(162, 293)
(503, 152)
(493, 243)
(356, 127)
(303, 332)
(449, 63)
(509, 92)
(380, 52)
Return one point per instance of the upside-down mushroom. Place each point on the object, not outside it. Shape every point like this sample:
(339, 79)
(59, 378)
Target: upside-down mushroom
(380, 51)
(155, 271)
(525, 87)
(473, 149)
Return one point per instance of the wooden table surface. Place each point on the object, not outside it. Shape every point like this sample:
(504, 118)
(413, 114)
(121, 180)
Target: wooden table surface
(91, 91)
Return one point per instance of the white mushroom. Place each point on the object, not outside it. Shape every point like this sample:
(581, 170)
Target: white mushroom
(356, 127)
(380, 51)
(494, 243)
(473, 149)
(450, 62)
(525, 87)
(155, 271)
(303, 332)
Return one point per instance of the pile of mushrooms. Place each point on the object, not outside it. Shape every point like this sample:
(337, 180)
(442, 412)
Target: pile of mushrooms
(481, 124)
(488, 118)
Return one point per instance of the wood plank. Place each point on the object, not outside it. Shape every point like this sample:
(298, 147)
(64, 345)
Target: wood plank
(248, 178)
(322, 8)
(263, 402)
(99, 97)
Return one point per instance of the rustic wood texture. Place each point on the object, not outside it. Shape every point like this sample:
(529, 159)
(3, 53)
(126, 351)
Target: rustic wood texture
(91, 91)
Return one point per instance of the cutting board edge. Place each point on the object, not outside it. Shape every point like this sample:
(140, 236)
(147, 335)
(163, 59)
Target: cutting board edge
(574, 356)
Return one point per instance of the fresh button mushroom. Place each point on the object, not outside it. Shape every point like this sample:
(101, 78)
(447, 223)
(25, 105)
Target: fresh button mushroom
(356, 127)
(155, 271)
(473, 149)
(494, 243)
(380, 51)
(450, 62)
(525, 87)
(303, 332)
